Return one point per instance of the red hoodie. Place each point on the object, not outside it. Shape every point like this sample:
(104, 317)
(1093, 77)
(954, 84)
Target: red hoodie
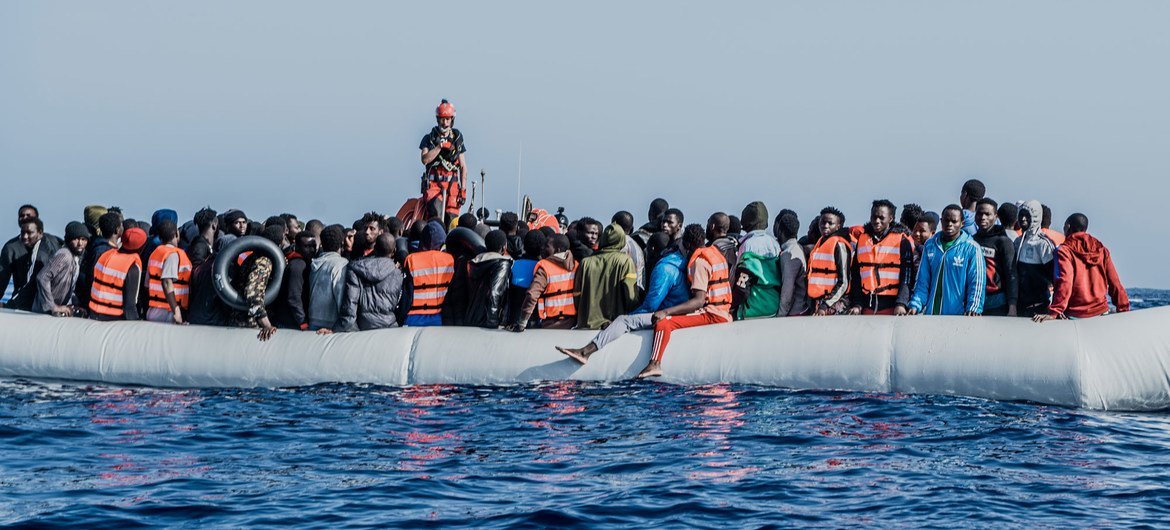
(1085, 274)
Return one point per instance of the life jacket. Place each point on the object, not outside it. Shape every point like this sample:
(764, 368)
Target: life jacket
(539, 218)
(446, 165)
(181, 285)
(822, 268)
(557, 299)
(880, 263)
(719, 284)
(109, 280)
(430, 275)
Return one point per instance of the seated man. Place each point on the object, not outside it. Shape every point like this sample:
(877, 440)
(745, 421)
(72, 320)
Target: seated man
(373, 288)
(952, 275)
(488, 278)
(57, 282)
(710, 298)
(1084, 275)
(668, 288)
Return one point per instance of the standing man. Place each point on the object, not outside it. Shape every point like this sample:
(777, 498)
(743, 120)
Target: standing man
(973, 190)
(952, 275)
(168, 277)
(1000, 254)
(883, 265)
(1084, 275)
(445, 163)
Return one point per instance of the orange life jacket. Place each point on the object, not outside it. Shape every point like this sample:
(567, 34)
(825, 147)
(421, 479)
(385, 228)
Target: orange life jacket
(430, 274)
(880, 263)
(181, 285)
(557, 299)
(541, 218)
(822, 268)
(719, 285)
(109, 281)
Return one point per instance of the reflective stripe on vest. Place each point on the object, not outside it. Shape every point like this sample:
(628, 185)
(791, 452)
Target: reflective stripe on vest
(718, 284)
(822, 267)
(557, 299)
(879, 263)
(430, 274)
(180, 285)
(109, 280)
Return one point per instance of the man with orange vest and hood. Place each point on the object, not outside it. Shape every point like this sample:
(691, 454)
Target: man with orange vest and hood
(828, 265)
(883, 264)
(1084, 275)
(710, 301)
(445, 162)
(117, 276)
(428, 276)
(168, 277)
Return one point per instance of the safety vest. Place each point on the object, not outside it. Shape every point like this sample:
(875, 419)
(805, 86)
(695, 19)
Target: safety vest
(822, 268)
(109, 280)
(880, 263)
(181, 285)
(557, 299)
(430, 274)
(719, 284)
(541, 218)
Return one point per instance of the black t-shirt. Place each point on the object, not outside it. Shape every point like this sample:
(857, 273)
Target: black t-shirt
(431, 140)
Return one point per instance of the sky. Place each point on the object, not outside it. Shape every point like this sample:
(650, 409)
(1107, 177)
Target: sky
(317, 108)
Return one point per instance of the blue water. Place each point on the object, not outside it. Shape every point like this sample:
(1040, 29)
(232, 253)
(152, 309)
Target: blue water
(569, 454)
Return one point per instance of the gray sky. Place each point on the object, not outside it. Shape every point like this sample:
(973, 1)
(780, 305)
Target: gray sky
(317, 107)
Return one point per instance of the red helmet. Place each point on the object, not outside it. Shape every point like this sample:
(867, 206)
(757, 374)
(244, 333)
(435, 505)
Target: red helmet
(445, 110)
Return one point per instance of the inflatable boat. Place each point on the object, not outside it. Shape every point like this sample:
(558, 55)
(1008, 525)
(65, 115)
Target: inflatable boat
(1118, 362)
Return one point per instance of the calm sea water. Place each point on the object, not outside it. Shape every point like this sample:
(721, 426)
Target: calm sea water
(569, 454)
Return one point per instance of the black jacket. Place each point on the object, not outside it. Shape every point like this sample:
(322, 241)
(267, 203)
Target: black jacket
(1000, 253)
(291, 308)
(206, 309)
(489, 277)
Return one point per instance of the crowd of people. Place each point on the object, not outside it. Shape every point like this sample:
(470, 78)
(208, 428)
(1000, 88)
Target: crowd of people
(974, 258)
(531, 269)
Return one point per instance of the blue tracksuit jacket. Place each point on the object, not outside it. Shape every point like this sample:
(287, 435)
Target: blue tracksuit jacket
(963, 275)
(668, 285)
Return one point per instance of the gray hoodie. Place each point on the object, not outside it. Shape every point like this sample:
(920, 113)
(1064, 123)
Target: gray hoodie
(326, 285)
(373, 288)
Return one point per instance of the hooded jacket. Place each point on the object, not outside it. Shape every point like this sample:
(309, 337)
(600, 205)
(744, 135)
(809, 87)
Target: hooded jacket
(958, 274)
(373, 288)
(1034, 256)
(489, 276)
(1084, 275)
(668, 284)
(605, 285)
(326, 287)
(999, 254)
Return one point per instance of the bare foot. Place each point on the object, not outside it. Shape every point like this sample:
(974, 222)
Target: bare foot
(575, 354)
(651, 370)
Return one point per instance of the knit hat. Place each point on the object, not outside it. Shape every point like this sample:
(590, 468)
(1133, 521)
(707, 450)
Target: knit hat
(74, 230)
(92, 213)
(433, 236)
(230, 216)
(133, 239)
(754, 216)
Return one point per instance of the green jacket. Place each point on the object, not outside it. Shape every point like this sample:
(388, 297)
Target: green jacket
(606, 282)
(762, 296)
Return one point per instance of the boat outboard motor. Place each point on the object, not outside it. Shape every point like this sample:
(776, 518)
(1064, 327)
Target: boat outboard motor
(227, 258)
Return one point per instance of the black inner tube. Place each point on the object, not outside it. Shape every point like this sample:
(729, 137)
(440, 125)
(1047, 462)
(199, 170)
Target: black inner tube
(226, 259)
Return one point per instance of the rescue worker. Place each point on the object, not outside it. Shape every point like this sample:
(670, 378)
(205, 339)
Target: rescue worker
(117, 277)
(168, 273)
(710, 300)
(952, 275)
(446, 165)
(883, 264)
(828, 265)
(550, 293)
(428, 276)
(1084, 275)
